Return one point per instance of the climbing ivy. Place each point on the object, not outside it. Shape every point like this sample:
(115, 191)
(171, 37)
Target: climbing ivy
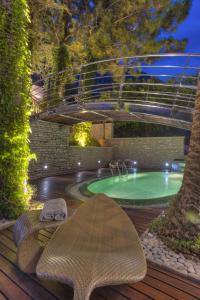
(15, 107)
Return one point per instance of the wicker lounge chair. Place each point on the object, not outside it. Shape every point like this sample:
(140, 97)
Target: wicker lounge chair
(98, 246)
(26, 231)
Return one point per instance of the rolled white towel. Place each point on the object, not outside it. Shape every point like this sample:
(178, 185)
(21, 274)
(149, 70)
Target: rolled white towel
(54, 209)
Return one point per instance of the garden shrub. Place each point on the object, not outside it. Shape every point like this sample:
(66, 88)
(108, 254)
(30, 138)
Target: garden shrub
(81, 135)
(15, 107)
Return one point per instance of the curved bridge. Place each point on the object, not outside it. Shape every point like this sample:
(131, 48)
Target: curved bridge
(150, 88)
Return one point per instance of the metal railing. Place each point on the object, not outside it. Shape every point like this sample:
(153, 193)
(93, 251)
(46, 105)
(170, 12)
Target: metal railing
(161, 80)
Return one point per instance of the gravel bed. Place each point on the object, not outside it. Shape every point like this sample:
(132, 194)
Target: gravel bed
(157, 252)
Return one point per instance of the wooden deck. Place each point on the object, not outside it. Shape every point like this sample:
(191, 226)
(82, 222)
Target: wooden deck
(159, 283)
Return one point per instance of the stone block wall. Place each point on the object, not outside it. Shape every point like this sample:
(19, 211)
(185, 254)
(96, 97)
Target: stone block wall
(88, 158)
(149, 152)
(50, 142)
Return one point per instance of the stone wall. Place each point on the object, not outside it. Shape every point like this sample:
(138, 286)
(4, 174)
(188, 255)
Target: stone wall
(149, 152)
(50, 142)
(88, 158)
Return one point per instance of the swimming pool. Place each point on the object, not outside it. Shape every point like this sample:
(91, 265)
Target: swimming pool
(139, 188)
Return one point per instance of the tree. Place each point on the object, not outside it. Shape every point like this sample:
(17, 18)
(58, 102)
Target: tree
(93, 30)
(46, 32)
(182, 220)
(15, 107)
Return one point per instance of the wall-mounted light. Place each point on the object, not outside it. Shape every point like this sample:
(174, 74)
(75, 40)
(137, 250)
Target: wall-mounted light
(135, 162)
(79, 163)
(99, 161)
(45, 167)
(166, 164)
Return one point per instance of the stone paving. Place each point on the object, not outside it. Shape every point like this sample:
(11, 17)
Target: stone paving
(157, 252)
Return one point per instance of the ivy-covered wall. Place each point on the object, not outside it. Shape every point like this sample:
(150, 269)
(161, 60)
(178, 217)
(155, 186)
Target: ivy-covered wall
(15, 107)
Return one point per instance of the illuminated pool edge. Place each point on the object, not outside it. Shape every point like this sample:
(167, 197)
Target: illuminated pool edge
(162, 201)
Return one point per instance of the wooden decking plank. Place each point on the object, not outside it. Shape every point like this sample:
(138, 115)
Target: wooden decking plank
(130, 293)
(3, 296)
(175, 282)
(7, 242)
(9, 235)
(167, 289)
(50, 230)
(174, 274)
(24, 281)
(52, 288)
(46, 233)
(151, 291)
(108, 294)
(11, 290)
(43, 238)
(58, 290)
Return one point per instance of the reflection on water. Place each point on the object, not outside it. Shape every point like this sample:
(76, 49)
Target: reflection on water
(146, 185)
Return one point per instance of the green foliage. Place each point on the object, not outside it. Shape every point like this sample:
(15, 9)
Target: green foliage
(15, 107)
(192, 217)
(46, 32)
(61, 58)
(110, 29)
(189, 247)
(57, 84)
(140, 129)
(155, 225)
(81, 135)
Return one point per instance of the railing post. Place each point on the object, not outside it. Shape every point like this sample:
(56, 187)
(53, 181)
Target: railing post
(121, 87)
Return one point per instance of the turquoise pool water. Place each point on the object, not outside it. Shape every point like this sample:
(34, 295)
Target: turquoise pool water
(144, 186)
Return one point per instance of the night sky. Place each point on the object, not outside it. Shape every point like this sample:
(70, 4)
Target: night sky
(189, 29)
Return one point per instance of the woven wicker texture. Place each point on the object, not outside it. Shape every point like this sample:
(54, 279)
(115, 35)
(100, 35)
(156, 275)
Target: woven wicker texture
(98, 246)
(25, 232)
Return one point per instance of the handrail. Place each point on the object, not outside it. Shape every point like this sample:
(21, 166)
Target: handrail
(161, 55)
(143, 80)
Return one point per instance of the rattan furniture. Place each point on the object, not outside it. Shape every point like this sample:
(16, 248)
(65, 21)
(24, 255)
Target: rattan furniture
(97, 246)
(25, 232)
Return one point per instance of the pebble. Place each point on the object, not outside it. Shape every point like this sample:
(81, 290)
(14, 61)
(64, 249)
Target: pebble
(157, 252)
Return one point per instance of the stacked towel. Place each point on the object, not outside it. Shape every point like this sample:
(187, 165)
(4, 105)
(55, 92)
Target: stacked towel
(54, 209)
